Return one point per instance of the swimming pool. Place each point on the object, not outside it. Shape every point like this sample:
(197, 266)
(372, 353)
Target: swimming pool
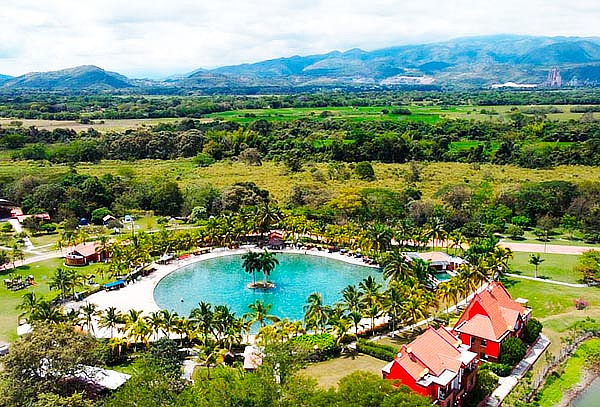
(223, 281)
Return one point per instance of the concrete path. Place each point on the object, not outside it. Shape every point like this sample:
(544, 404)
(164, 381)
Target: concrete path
(544, 280)
(508, 383)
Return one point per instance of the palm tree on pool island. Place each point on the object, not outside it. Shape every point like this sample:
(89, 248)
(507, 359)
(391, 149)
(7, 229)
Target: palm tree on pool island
(268, 262)
(252, 264)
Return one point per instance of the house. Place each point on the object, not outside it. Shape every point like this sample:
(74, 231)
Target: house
(437, 365)
(491, 317)
(276, 240)
(6, 208)
(85, 253)
(437, 260)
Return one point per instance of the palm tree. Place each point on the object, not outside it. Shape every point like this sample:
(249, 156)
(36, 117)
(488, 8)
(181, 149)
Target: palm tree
(169, 321)
(444, 292)
(315, 313)
(203, 318)
(536, 260)
(414, 309)
(259, 312)
(396, 267)
(110, 319)
(371, 298)
(155, 320)
(421, 270)
(392, 303)
(209, 355)
(28, 305)
(47, 313)
(62, 280)
(251, 264)
(351, 298)
(268, 262)
(88, 312)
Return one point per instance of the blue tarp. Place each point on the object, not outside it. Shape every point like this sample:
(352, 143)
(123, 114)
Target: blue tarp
(114, 284)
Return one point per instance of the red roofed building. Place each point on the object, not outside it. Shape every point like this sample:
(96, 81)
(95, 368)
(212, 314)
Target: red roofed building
(437, 365)
(83, 254)
(490, 318)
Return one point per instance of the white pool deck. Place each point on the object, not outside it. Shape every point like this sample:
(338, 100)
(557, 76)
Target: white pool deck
(140, 295)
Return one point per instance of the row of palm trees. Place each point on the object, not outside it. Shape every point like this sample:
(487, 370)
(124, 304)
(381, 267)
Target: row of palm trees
(254, 262)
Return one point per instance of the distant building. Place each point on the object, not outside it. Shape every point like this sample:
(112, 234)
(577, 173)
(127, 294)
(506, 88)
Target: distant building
(490, 318)
(84, 254)
(437, 260)
(554, 80)
(437, 365)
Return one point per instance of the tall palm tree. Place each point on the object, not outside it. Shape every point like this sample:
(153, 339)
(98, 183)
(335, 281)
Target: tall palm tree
(251, 264)
(396, 266)
(47, 313)
(414, 309)
(371, 298)
(268, 262)
(169, 320)
(88, 312)
(28, 305)
(392, 303)
(316, 314)
(203, 318)
(62, 280)
(536, 260)
(351, 298)
(155, 321)
(111, 318)
(259, 312)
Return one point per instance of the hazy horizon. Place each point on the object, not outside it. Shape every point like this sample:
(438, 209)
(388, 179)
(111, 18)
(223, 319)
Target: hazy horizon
(172, 38)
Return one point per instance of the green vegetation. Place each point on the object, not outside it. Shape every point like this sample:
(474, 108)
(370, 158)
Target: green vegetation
(568, 375)
(560, 267)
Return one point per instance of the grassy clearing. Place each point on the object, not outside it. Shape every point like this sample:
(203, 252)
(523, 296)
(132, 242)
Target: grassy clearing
(328, 373)
(273, 176)
(550, 299)
(555, 266)
(9, 300)
(100, 125)
(557, 384)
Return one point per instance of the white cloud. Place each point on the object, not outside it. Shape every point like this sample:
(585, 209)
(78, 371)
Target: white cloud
(160, 37)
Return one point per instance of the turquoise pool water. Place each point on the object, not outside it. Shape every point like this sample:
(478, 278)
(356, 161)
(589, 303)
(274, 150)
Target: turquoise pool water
(222, 281)
(590, 397)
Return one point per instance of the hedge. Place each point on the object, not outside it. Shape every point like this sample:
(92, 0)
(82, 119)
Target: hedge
(499, 369)
(383, 352)
(320, 346)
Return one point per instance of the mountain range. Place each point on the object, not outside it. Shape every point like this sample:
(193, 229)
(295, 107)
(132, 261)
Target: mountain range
(464, 62)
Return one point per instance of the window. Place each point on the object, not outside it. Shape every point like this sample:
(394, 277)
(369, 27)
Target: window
(483, 343)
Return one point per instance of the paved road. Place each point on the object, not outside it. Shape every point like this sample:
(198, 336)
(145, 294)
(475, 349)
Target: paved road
(42, 257)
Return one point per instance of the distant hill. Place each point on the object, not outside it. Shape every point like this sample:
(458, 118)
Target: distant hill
(464, 62)
(81, 77)
(4, 77)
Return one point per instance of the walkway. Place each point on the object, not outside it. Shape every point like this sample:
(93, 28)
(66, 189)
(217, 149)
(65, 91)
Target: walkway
(544, 280)
(509, 382)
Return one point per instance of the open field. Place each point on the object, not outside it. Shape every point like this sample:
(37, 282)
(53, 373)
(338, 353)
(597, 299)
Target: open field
(328, 373)
(555, 266)
(420, 112)
(9, 300)
(273, 176)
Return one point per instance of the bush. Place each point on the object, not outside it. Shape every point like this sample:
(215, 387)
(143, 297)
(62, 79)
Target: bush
(402, 111)
(486, 384)
(383, 352)
(512, 351)
(532, 330)
(515, 232)
(320, 346)
(203, 160)
(581, 304)
(364, 170)
(497, 368)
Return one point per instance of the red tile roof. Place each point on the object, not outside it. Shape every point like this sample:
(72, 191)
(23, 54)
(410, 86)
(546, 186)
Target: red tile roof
(490, 314)
(432, 352)
(83, 249)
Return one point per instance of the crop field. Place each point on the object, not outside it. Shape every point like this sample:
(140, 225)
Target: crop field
(420, 113)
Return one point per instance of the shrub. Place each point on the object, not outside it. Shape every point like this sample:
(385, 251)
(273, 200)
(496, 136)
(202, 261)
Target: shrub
(319, 346)
(364, 170)
(203, 160)
(486, 383)
(383, 352)
(515, 232)
(581, 304)
(532, 330)
(497, 368)
(512, 351)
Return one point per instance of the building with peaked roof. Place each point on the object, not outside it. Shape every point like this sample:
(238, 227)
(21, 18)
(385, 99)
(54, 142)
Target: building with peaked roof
(84, 253)
(437, 365)
(491, 317)
(437, 260)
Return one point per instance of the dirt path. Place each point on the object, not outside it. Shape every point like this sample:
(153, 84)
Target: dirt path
(549, 248)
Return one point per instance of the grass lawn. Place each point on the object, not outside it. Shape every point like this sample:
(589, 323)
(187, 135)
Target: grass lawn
(9, 300)
(328, 373)
(550, 299)
(556, 385)
(555, 266)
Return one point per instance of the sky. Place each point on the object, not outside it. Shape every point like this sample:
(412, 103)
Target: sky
(159, 38)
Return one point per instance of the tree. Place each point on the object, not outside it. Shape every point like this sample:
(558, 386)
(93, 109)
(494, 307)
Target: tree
(110, 319)
(251, 156)
(316, 314)
(88, 312)
(536, 260)
(512, 351)
(532, 330)
(54, 400)
(252, 263)
(589, 265)
(259, 312)
(40, 362)
(268, 262)
(515, 232)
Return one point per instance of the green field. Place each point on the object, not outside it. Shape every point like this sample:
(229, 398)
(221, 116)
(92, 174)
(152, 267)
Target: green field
(328, 373)
(555, 266)
(9, 300)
